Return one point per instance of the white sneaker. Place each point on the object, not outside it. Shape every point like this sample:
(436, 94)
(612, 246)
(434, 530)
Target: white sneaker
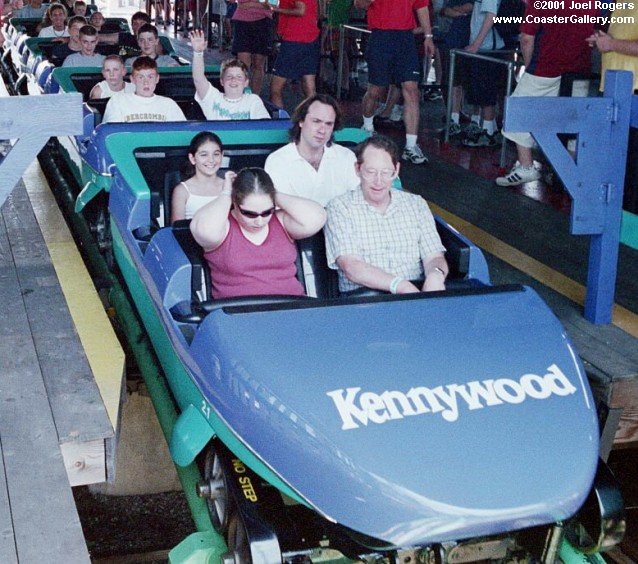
(518, 175)
(414, 155)
(369, 130)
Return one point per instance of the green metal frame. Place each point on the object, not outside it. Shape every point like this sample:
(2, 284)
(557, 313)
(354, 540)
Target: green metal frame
(64, 76)
(33, 44)
(18, 23)
(629, 230)
(122, 145)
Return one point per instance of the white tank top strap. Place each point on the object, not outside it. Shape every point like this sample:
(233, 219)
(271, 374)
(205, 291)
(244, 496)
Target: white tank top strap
(186, 186)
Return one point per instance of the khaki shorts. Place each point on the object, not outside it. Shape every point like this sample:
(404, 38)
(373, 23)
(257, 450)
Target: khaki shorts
(533, 86)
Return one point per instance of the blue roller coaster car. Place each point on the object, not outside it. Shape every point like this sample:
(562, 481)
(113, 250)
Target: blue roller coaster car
(452, 426)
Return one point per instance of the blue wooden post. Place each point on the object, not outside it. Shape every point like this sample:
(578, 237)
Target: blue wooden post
(603, 248)
(32, 120)
(595, 181)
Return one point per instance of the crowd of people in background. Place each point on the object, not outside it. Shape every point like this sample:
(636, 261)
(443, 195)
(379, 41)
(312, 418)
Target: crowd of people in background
(246, 222)
(404, 39)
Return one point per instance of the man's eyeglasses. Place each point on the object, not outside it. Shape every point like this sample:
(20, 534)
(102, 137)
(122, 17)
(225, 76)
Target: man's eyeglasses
(255, 215)
(372, 174)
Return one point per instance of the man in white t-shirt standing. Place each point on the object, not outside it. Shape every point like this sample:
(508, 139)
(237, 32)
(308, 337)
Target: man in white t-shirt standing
(313, 165)
(144, 104)
(232, 102)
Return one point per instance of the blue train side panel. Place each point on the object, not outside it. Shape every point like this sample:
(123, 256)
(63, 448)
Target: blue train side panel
(412, 421)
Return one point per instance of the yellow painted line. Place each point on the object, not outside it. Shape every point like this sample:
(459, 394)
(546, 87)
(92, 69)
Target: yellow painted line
(621, 317)
(102, 349)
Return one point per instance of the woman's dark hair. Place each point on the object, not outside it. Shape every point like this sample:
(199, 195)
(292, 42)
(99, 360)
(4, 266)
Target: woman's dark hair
(301, 111)
(252, 180)
(196, 142)
(379, 142)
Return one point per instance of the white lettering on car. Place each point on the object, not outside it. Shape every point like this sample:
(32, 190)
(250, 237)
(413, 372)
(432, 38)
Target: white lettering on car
(357, 409)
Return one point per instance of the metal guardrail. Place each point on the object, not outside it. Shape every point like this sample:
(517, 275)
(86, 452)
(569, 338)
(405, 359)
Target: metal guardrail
(511, 68)
(197, 24)
(342, 42)
(510, 64)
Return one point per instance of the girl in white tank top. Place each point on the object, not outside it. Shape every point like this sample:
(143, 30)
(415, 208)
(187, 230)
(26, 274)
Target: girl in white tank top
(205, 156)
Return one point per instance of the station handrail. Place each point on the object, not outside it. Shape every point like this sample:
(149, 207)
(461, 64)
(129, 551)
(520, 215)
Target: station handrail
(342, 42)
(483, 56)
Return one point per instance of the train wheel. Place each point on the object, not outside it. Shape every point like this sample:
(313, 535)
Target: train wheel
(215, 489)
(102, 230)
(237, 540)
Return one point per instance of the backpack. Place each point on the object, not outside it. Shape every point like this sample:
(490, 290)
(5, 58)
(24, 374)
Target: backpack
(509, 30)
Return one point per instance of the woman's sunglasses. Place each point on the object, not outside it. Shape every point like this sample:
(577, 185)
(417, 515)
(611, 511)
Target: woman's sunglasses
(255, 215)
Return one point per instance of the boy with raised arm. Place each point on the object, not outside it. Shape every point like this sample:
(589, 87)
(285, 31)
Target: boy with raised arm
(233, 103)
(143, 104)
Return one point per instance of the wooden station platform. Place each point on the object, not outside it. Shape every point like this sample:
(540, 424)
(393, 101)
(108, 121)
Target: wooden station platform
(61, 377)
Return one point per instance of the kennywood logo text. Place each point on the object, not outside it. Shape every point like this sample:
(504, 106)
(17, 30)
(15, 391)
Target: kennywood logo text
(355, 407)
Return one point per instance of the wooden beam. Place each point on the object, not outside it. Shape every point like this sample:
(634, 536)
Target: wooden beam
(7, 543)
(75, 400)
(101, 346)
(85, 462)
(45, 523)
(32, 120)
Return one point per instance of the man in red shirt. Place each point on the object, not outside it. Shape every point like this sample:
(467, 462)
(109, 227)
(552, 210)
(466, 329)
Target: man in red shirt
(299, 50)
(550, 50)
(392, 58)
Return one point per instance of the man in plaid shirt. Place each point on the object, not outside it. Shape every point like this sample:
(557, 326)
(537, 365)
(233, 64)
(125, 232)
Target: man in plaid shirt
(381, 238)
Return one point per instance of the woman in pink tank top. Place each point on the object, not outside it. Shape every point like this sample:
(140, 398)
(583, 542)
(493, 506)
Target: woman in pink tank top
(248, 235)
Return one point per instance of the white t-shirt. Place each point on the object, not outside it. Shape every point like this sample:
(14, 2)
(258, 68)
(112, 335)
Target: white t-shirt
(50, 32)
(129, 108)
(107, 92)
(80, 60)
(292, 174)
(217, 107)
